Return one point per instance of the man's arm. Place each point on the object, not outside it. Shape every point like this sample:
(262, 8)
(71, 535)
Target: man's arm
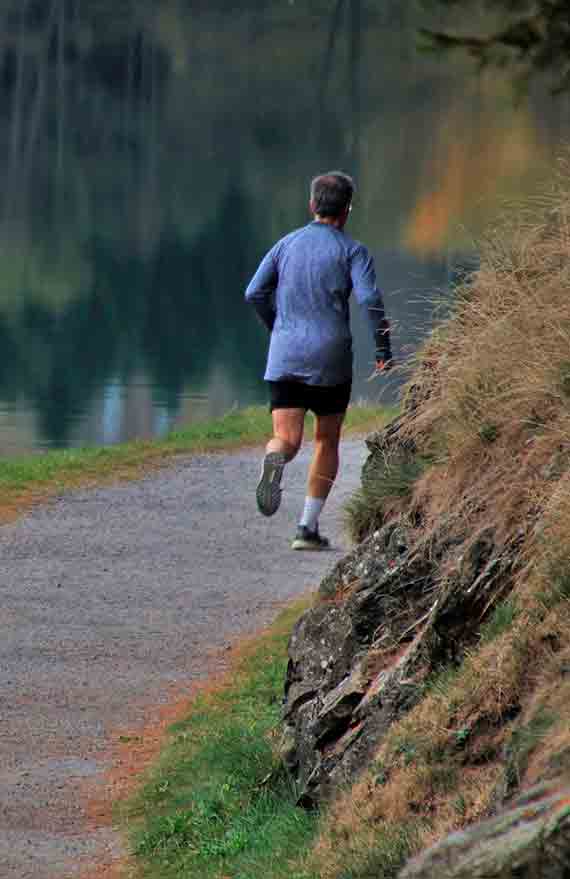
(261, 290)
(370, 299)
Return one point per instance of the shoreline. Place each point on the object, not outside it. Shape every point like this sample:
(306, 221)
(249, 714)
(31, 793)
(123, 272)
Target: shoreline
(35, 479)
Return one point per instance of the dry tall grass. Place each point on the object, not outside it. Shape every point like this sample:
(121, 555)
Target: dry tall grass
(501, 364)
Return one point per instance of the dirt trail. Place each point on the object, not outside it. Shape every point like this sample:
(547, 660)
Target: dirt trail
(113, 602)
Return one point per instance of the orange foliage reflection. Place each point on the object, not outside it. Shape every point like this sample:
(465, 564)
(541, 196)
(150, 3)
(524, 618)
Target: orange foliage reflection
(475, 164)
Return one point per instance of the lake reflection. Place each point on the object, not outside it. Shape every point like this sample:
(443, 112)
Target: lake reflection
(152, 152)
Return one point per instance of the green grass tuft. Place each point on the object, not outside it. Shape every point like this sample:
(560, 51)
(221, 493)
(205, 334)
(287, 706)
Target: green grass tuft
(523, 742)
(488, 432)
(558, 579)
(564, 378)
(441, 680)
(383, 484)
(387, 855)
(502, 619)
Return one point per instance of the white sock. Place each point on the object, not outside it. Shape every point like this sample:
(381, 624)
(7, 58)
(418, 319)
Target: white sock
(311, 512)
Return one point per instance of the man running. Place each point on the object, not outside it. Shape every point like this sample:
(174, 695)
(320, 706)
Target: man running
(301, 292)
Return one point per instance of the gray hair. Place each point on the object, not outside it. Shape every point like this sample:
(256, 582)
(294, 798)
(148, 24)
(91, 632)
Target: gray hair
(332, 193)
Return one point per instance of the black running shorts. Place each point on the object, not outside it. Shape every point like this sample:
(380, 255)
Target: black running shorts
(320, 399)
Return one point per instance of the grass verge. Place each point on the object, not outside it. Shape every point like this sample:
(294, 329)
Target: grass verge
(24, 481)
(217, 803)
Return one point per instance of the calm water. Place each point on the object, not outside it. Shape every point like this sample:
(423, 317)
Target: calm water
(151, 155)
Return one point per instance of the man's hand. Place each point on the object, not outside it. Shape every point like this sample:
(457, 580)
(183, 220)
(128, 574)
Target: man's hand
(384, 365)
(381, 367)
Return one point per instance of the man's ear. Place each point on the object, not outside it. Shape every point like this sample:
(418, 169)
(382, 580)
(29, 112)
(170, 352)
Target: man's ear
(312, 207)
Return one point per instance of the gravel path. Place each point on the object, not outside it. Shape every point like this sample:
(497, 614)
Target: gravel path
(111, 601)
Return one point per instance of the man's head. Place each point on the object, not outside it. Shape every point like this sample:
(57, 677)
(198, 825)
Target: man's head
(331, 196)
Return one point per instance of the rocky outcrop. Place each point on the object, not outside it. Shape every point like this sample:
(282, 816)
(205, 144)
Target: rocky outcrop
(357, 661)
(531, 840)
(398, 606)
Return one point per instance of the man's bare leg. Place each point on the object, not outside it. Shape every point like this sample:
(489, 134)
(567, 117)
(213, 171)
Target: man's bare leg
(322, 474)
(324, 465)
(288, 425)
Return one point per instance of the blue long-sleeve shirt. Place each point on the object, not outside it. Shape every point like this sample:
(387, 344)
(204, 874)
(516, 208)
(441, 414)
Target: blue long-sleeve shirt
(301, 292)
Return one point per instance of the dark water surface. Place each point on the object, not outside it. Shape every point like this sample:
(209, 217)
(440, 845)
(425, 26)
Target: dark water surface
(151, 152)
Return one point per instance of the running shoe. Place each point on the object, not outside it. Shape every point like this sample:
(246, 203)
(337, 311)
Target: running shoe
(307, 539)
(268, 492)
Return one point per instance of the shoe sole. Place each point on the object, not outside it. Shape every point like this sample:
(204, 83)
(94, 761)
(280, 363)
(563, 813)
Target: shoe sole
(268, 492)
(306, 544)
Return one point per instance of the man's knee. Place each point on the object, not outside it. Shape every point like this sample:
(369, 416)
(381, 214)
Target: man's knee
(291, 439)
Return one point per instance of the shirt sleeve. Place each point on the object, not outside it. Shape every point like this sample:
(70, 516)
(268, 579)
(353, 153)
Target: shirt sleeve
(370, 300)
(261, 290)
